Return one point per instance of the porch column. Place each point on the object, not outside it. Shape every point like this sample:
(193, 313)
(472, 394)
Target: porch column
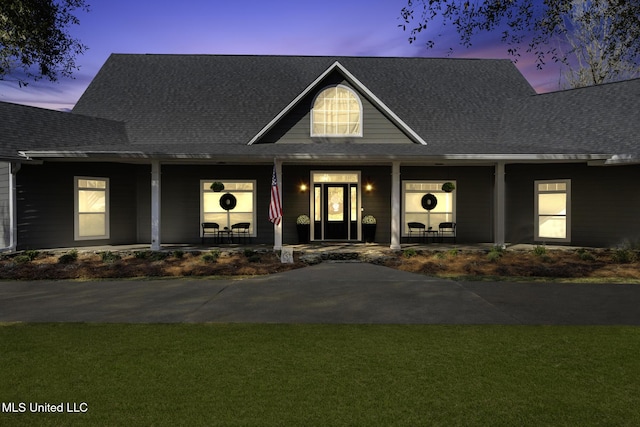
(499, 201)
(277, 228)
(395, 206)
(155, 205)
(13, 206)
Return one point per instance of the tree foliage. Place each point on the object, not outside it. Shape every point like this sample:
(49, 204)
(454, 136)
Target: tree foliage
(542, 28)
(34, 39)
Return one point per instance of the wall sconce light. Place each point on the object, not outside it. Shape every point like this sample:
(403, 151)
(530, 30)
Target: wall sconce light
(303, 188)
(368, 187)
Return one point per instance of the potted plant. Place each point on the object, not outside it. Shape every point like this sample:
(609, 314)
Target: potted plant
(369, 228)
(217, 186)
(448, 187)
(303, 224)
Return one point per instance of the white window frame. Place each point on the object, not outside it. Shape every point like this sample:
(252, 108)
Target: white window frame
(254, 225)
(536, 215)
(76, 207)
(336, 135)
(437, 190)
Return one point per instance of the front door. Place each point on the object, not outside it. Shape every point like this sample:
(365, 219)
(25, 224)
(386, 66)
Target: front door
(335, 206)
(336, 212)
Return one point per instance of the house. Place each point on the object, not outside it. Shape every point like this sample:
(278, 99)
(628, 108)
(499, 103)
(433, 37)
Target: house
(347, 136)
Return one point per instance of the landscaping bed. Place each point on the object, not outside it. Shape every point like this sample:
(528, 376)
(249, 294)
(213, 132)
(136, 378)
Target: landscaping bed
(607, 265)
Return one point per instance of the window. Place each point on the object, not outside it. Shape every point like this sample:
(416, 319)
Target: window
(412, 210)
(244, 211)
(552, 210)
(91, 208)
(336, 111)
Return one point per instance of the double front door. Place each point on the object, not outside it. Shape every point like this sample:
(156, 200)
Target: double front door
(336, 211)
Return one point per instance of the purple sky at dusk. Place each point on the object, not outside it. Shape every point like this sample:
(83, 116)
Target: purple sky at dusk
(282, 27)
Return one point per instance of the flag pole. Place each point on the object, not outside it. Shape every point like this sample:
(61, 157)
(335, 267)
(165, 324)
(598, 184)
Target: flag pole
(277, 225)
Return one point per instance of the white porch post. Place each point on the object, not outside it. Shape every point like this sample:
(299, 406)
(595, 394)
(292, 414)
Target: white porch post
(277, 228)
(499, 200)
(155, 205)
(13, 206)
(395, 206)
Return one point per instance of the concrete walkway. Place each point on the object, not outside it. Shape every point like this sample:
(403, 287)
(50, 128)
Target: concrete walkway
(324, 293)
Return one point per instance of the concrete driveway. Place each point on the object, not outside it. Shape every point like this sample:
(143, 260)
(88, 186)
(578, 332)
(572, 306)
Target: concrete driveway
(324, 293)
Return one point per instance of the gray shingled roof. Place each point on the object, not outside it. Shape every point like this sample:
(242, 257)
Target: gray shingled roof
(212, 105)
(165, 99)
(25, 128)
(596, 119)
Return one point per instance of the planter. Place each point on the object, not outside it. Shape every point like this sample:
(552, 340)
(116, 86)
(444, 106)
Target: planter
(369, 232)
(303, 233)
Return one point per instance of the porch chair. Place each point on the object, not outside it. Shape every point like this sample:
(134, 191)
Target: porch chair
(417, 228)
(447, 230)
(210, 229)
(241, 230)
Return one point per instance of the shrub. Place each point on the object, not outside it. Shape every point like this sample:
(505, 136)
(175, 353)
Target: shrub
(31, 254)
(495, 253)
(21, 259)
(408, 253)
(109, 257)
(452, 252)
(211, 256)
(178, 254)
(248, 253)
(585, 255)
(254, 258)
(623, 256)
(69, 257)
(540, 250)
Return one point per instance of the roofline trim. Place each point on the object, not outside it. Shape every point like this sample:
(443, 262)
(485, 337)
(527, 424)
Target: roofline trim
(599, 158)
(359, 85)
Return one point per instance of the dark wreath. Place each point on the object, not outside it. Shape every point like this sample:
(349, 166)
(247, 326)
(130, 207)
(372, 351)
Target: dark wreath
(429, 201)
(228, 202)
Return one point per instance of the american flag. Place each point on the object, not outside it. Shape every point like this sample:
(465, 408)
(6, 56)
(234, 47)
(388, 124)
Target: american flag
(275, 208)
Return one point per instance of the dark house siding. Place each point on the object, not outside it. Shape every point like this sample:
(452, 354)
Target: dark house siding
(180, 199)
(605, 203)
(474, 198)
(5, 214)
(45, 204)
(296, 126)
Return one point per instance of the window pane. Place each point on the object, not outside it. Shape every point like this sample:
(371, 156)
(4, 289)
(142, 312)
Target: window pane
(554, 227)
(317, 207)
(335, 177)
(552, 204)
(354, 204)
(91, 225)
(336, 203)
(336, 111)
(413, 202)
(91, 201)
(245, 202)
(92, 183)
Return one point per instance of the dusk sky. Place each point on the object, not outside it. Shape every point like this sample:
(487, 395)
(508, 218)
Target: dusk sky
(285, 27)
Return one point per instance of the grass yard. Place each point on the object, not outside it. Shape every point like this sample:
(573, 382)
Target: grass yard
(321, 375)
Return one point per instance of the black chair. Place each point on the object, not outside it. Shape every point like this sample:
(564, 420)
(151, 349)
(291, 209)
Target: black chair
(417, 228)
(447, 230)
(210, 229)
(241, 230)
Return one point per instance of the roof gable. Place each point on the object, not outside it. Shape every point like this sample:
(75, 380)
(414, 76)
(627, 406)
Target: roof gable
(358, 85)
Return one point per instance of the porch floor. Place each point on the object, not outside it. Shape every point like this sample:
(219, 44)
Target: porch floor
(310, 248)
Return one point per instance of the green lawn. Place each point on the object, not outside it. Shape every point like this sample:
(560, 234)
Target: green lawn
(322, 375)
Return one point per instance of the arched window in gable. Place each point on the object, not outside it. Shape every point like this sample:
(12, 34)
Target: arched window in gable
(336, 111)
